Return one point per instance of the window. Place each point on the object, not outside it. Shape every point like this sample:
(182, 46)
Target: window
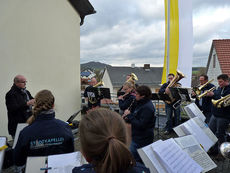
(214, 60)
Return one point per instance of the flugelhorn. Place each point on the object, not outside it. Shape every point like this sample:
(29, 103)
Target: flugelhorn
(205, 93)
(222, 102)
(197, 90)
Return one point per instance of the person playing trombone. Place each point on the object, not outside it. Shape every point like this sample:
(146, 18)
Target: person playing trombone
(204, 103)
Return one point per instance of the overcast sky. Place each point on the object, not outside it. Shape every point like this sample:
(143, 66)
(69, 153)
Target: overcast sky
(123, 32)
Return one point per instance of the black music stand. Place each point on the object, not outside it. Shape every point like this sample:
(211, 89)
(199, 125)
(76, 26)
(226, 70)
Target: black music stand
(156, 97)
(180, 95)
(104, 93)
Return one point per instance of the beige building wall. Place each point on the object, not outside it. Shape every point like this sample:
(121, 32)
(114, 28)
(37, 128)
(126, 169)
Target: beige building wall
(40, 39)
(214, 72)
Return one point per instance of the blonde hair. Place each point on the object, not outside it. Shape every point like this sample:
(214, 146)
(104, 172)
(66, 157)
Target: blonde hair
(44, 100)
(103, 139)
(129, 85)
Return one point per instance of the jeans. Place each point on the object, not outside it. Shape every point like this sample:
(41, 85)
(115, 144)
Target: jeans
(218, 126)
(169, 113)
(133, 149)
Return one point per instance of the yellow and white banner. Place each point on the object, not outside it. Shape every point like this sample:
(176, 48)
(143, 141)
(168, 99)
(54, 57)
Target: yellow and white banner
(178, 40)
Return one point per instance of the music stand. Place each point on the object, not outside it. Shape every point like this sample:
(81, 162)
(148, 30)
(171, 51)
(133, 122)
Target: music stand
(156, 97)
(105, 93)
(71, 118)
(180, 95)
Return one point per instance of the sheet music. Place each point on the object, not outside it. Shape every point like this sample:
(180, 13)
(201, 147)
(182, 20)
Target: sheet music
(174, 159)
(148, 150)
(193, 111)
(20, 126)
(2, 143)
(64, 163)
(206, 130)
(199, 130)
(190, 145)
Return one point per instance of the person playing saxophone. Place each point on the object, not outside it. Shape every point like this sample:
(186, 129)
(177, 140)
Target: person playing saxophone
(220, 118)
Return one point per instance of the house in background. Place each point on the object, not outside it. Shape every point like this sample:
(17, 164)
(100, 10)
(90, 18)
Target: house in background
(115, 76)
(219, 59)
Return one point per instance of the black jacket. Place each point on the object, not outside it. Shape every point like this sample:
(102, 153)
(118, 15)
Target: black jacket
(92, 94)
(45, 136)
(127, 101)
(17, 109)
(143, 122)
(206, 101)
(88, 168)
(225, 111)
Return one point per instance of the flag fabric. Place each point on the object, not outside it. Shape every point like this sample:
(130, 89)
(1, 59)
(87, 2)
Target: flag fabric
(178, 40)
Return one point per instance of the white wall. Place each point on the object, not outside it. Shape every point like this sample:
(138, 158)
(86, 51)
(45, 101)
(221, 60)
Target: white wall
(40, 39)
(214, 72)
(107, 81)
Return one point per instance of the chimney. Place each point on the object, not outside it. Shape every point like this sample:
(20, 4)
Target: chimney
(132, 65)
(147, 67)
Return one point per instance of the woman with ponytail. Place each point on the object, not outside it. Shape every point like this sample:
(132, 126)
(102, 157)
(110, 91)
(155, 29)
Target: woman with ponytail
(103, 140)
(45, 134)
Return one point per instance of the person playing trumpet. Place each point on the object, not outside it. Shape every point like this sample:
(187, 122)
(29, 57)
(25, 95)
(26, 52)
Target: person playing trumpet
(220, 118)
(204, 103)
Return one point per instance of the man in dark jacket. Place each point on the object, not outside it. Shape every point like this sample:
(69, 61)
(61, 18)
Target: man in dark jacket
(220, 118)
(204, 103)
(19, 104)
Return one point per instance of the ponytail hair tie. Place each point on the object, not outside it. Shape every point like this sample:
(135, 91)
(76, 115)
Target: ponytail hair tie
(110, 137)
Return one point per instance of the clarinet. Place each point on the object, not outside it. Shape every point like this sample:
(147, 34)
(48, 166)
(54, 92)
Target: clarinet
(130, 106)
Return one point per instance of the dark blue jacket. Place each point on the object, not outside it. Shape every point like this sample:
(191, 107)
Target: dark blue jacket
(225, 111)
(206, 101)
(143, 122)
(127, 101)
(88, 168)
(17, 109)
(45, 136)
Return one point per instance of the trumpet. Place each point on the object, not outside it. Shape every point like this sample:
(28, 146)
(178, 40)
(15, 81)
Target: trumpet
(197, 90)
(222, 102)
(205, 93)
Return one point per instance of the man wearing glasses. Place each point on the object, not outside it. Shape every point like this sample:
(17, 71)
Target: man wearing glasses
(19, 104)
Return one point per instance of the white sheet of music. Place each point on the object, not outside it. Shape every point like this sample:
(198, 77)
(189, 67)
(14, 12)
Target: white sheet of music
(175, 159)
(148, 150)
(64, 163)
(190, 145)
(2, 143)
(193, 111)
(20, 126)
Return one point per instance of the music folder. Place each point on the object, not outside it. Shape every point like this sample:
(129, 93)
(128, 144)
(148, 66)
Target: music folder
(164, 97)
(72, 117)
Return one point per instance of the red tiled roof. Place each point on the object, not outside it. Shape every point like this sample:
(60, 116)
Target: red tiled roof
(223, 53)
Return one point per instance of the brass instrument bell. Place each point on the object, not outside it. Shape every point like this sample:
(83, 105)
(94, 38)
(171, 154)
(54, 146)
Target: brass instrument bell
(225, 149)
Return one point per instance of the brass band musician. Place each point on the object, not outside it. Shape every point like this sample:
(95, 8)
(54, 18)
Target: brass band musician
(169, 109)
(92, 95)
(220, 118)
(126, 100)
(204, 103)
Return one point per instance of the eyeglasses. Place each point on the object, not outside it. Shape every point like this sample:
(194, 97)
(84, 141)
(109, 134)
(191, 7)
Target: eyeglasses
(23, 82)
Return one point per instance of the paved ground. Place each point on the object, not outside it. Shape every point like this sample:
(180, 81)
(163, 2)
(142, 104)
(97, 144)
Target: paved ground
(222, 166)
